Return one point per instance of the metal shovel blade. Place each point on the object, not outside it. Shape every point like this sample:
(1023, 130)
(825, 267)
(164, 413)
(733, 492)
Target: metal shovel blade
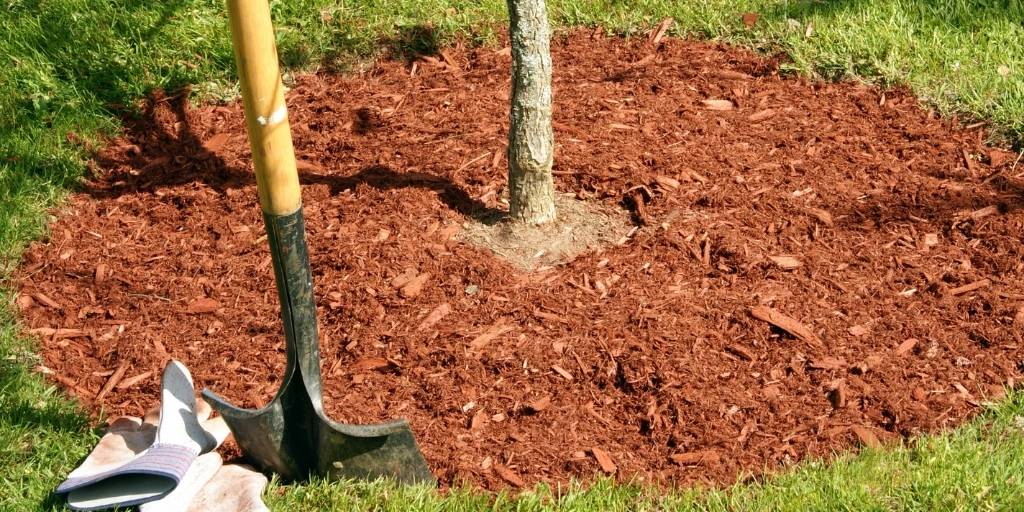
(292, 436)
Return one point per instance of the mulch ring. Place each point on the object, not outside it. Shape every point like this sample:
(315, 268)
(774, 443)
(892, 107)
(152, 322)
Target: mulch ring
(815, 266)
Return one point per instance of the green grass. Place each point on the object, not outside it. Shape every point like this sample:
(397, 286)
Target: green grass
(70, 66)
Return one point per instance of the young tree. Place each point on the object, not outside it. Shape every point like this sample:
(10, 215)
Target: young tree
(530, 138)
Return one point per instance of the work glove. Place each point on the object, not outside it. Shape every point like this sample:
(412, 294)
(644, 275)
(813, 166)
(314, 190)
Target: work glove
(211, 486)
(164, 460)
(235, 488)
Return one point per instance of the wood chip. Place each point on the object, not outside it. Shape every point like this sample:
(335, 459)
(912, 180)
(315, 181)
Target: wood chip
(43, 331)
(603, 460)
(984, 212)
(307, 166)
(24, 302)
(508, 475)
(620, 126)
(71, 384)
(728, 74)
(161, 351)
(132, 381)
(472, 161)
(740, 351)
(968, 161)
(435, 316)
(479, 419)
(214, 328)
(446, 56)
(61, 334)
(639, 209)
(46, 301)
(371, 364)
(550, 317)
(101, 273)
(659, 32)
(786, 323)
(446, 233)
(823, 216)
(906, 347)
(561, 371)
(415, 286)
(963, 391)
(717, 104)
(786, 262)
(967, 288)
(694, 175)
(402, 279)
(202, 305)
(215, 143)
(865, 436)
(919, 394)
(497, 329)
(858, 330)
(869, 362)
(666, 183)
(115, 379)
(762, 115)
(539, 404)
(704, 457)
(643, 62)
(837, 394)
(998, 157)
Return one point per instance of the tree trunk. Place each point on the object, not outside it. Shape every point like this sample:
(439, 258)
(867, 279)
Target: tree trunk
(530, 138)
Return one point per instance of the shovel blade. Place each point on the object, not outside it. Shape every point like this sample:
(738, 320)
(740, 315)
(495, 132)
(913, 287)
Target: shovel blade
(297, 441)
(371, 451)
(268, 441)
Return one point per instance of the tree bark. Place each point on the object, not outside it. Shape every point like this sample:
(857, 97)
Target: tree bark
(530, 138)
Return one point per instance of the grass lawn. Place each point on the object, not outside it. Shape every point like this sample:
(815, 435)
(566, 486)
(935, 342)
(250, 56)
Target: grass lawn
(71, 65)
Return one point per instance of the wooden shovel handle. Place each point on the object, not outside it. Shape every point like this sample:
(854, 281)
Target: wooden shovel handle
(266, 115)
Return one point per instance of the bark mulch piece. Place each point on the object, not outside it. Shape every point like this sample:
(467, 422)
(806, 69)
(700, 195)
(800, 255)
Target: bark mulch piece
(816, 266)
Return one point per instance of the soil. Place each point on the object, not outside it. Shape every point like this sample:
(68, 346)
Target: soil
(579, 227)
(816, 266)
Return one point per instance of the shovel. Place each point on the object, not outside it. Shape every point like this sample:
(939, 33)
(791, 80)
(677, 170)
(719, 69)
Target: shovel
(292, 436)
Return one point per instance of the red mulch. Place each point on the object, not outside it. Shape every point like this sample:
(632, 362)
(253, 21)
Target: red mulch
(903, 284)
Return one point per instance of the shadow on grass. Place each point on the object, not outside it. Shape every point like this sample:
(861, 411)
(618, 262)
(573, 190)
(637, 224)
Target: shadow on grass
(20, 406)
(52, 417)
(102, 70)
(36, 417)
